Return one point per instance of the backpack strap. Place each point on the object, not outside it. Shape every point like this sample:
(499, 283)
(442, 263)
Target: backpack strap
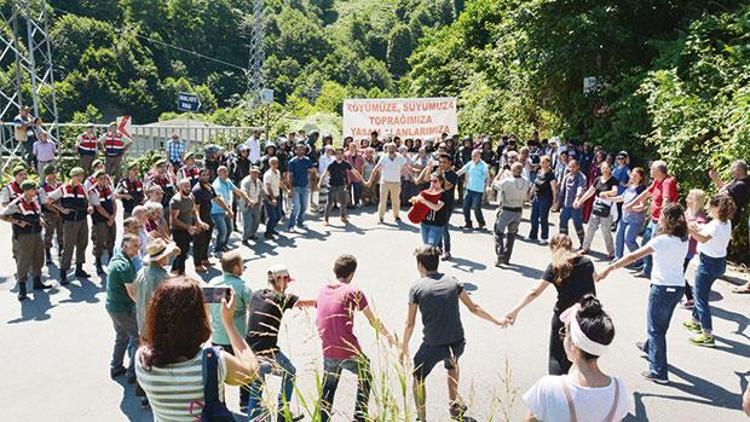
(568, 399)
(210, 375)
(611, 415)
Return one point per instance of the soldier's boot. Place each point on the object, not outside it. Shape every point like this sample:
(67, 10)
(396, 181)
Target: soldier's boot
(22, 290)
(80, 272)
(38, 285)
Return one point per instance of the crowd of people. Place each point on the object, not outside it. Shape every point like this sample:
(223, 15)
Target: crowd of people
(191, 201)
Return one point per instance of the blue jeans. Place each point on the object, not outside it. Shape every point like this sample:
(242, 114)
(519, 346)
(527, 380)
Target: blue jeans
(358, 365)
(223, 225)
(299, 205)
(273, 215)
(446, 240)
(575, 214)
(648, 233)
(431, 235)
(626, 236)
(540, 207)
(661, 303)
(279, 365)
(473, 201)
(709, 269)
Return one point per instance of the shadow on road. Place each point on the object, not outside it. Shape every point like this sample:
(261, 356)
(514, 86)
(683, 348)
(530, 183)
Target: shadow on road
(465, 265)
(35, 308)
(741, 320)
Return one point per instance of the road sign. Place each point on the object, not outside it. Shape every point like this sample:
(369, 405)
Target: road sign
(187, 101)
(266, 96)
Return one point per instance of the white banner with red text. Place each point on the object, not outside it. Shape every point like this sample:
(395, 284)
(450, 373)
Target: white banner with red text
(403, 117)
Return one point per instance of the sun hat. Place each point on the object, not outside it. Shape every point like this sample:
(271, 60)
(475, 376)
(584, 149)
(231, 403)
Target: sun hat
(159, 249)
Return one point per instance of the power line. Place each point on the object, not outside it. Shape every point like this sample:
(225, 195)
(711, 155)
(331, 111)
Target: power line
(166, 44)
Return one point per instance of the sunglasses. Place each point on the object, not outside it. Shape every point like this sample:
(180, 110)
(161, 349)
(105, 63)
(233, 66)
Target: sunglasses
(285, 277)
(563, 332)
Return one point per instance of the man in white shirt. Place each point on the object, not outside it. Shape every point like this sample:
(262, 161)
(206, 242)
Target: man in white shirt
(390, 166)
(253, 147)
(272, 200)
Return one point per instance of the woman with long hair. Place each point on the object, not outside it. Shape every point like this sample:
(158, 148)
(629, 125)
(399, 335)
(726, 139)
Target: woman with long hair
(633, 215)
(434, 198)
(585, 393)
(604, 211)
(592, 176)
(170, 363)
(668, 249)
(573, 277)
(713, 239)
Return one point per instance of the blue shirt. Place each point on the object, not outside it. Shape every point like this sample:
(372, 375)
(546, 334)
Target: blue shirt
(622, 175)
(477, 175)
(299, 168)
(571, 187)
(631, 192)
(225, 190)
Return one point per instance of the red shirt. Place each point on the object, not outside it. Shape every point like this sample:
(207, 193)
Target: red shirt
(666, 189)
(335, 319)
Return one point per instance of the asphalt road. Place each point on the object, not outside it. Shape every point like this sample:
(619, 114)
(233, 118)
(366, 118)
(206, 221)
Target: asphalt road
(56, 347)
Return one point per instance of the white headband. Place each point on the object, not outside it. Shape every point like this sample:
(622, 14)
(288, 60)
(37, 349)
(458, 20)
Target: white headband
(578, 337)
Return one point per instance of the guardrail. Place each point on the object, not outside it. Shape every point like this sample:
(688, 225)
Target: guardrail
(145, 138)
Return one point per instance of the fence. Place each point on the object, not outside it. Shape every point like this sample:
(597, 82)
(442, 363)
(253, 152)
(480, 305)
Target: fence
(145, 137)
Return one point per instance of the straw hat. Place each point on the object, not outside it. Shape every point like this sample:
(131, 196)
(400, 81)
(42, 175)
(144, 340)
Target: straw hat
(159, 249)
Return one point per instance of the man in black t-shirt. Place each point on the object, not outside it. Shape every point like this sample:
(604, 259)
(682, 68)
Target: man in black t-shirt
(337, 194)
(444, 167)
(437, 297)
(204, 194)
(267, 308)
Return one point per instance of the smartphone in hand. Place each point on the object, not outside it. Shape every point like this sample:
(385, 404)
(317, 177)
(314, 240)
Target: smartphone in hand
(215, 294)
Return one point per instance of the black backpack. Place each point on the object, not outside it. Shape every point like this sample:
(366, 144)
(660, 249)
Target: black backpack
(214, 410)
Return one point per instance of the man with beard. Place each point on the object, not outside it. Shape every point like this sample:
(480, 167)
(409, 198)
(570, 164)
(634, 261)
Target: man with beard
(185, 224)
(204, 196)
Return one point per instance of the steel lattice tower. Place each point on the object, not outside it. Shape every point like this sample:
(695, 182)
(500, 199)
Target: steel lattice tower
(255, 63)
(25, 44)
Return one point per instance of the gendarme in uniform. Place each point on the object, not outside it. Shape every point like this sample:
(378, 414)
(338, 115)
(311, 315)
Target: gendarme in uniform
(25, 214)
(75, 204)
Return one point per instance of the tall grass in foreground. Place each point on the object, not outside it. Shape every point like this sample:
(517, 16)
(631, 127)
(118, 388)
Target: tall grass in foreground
(391, 398)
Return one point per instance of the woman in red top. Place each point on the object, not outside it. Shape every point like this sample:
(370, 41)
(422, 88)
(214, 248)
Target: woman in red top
(430, 211)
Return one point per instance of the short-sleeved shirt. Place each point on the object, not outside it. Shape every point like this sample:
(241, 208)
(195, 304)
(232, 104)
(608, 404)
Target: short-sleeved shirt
(546, 400)
(204, 198)
(335, 319)
(439, 217)
(242, 295)
(513, 192)
(148, 279)
(225, 189)
(575, 286)
(185, 205)
(660, 190)
(721, 234)
(543, 184)
(44, 151)
(628, 196)
(172, 388)
(668, 257)
(436, 295)
(273, 178)
(299, 167)
(572, 187)
(120, 272)
(739, 190)
(477, 175)
(252, 188)
(337, 170)
(607, 186)
(622, 175)
(267, 307)
(390, 168)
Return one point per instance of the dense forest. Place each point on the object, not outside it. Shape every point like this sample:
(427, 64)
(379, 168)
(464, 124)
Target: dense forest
(672, 77)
